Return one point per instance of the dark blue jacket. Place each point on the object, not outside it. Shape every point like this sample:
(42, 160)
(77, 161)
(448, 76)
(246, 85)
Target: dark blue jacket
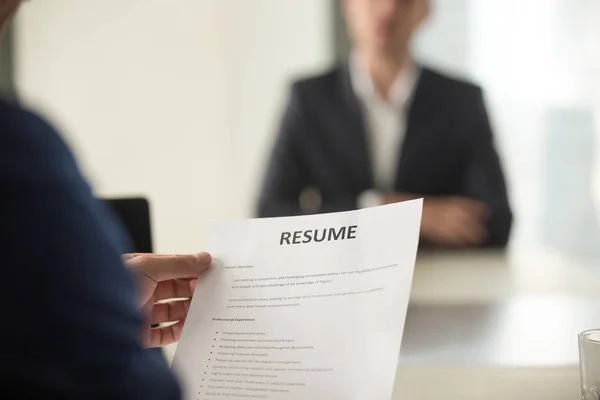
(71, 325)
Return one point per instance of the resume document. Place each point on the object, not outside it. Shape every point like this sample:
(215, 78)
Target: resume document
(302, 308)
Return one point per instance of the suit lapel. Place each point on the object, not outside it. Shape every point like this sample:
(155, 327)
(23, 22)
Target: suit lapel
(421, 127)
(353, 140)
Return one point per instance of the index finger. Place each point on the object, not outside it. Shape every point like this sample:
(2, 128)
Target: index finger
(166, 267)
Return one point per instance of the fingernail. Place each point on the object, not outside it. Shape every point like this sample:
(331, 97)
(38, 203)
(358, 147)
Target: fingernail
(204, 258)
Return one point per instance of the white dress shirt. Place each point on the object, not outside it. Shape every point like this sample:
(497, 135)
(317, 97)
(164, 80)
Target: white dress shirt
(385, 123)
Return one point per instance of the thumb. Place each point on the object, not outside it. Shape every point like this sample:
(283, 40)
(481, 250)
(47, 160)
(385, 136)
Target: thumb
(166, 267)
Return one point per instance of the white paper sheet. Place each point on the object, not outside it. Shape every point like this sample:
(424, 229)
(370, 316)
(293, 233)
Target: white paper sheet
(283, 315)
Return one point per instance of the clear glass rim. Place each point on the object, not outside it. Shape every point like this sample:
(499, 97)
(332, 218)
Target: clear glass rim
(584, 336)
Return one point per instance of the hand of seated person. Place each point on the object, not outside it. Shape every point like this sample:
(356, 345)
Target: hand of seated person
(163, 278)
(449, 221)
(454, 221)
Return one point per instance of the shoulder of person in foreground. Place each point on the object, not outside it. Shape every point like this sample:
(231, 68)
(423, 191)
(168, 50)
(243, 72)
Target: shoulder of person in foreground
(75, 325)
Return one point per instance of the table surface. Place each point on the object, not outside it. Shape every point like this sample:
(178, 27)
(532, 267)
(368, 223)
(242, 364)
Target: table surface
(475, 277)
(521, 332)
(491, 325)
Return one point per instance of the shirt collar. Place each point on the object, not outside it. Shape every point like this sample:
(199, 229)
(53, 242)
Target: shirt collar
(400, 92)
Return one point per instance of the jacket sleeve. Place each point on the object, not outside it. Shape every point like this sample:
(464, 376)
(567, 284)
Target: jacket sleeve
(484, 178)
(75, 324)
(288, 171)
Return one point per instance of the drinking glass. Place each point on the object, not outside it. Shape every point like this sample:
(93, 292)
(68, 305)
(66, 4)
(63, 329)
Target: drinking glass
(589, 360)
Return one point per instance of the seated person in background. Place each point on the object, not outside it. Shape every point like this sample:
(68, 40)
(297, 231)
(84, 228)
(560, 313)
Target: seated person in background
(383, 129)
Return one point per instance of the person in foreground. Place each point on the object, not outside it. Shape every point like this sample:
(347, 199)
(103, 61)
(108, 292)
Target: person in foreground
(382, 129)
(73, 322)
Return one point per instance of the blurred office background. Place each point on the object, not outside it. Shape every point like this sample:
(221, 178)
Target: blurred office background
(178, 100)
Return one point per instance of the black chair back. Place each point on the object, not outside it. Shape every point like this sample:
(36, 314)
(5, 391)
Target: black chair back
(134, 215)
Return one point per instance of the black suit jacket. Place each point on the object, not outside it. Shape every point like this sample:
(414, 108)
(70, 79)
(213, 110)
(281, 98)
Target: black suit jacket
(448, 149)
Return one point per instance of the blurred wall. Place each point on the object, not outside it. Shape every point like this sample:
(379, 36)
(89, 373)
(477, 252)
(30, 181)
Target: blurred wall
(172, 99)
(6, 63)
